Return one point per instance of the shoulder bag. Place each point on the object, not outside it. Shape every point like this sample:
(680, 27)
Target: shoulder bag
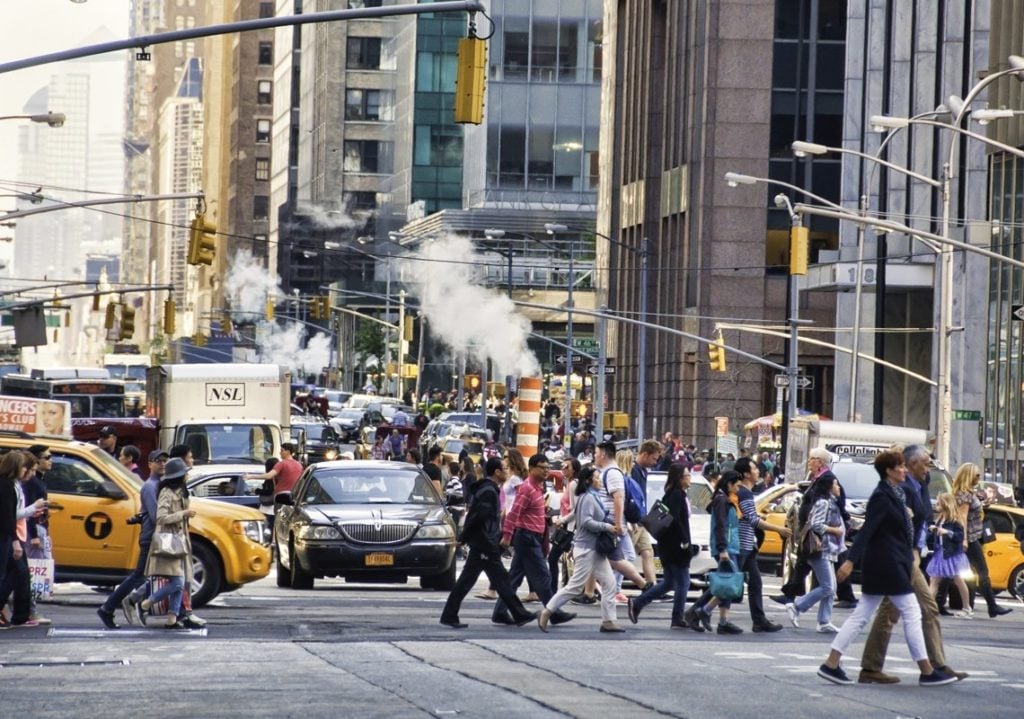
(810, 542)
(988, 532)
(658, 520)
(726, 582)
(169, 544)
(562, 538)
(607, 542)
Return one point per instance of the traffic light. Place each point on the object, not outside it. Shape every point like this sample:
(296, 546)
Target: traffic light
(716, 354)
(314, 308)
(407, 328)
(202, 241)
(110, 319)
(170, 313)
(127, 322)
(798, 250)
(270, 310)
(470, 81)
(325, 307)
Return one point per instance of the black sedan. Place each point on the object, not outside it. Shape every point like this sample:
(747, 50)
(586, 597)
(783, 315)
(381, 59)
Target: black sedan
(366, 521)
(321, 439)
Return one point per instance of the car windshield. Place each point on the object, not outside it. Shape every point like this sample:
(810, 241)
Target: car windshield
(857, 479)
(217, 442)
(370, 486)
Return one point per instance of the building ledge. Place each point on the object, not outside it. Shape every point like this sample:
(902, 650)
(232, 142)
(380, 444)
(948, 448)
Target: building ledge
(842, 276)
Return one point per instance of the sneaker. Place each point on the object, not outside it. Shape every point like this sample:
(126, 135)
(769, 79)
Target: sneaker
(583, 599)
(828, 628)
(935, 679)
(632, 610)
(174, 625)
(781, 599)
(141, 613)
(845, 604)
(621, 598)
(728, 627)
(964, 614)
(946, 669)
(705, 620)
(131, 614)
(767, 626)
(190, 621)
(794, 614)
(107, 618)
(836, 676)
(681, 625)
(691, 620)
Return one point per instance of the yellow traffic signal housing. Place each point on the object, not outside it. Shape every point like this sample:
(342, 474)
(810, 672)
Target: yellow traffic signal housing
(314, 308)
(110, 319)
(470, 81)
(716, 354)
(325, 307)
(127, 322)
(407, 328)
(202, 241)
(170, 313)
(270, 310)
(798, 241)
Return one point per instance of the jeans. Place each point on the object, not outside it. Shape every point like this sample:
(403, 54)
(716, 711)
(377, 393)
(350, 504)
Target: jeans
(675, 577)
(491, 565)
(528, 562)
(130, 583)
(755, 597)
(173, 589)
(821, 594)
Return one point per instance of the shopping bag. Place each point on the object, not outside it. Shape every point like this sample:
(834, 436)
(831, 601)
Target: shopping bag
(41, 574)
(726, 582)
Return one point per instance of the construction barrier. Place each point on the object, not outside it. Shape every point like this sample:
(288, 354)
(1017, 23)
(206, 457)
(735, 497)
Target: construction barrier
(528, 427)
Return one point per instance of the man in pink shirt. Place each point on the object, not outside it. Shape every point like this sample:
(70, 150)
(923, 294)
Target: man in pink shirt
(524, 530)
(285, 473)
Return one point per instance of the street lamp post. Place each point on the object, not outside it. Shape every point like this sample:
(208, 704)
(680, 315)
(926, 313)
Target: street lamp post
(53, 119)
(553, 229)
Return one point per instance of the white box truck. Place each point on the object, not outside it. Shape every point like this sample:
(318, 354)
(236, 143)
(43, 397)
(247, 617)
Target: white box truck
(846, 440)
(225, 413)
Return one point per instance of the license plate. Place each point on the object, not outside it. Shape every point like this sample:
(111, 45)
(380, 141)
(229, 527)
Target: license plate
(657, 564)
(379, 559)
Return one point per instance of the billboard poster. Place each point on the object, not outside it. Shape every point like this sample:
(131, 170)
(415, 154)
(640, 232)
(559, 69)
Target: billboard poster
(47, 417)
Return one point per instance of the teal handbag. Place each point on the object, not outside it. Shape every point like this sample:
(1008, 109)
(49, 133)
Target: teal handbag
(726, 582)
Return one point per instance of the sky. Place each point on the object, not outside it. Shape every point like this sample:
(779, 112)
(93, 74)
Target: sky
(36, 27)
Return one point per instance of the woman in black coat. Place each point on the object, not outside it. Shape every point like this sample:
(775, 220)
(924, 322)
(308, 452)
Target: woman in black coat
(673, 549)
(884, 546)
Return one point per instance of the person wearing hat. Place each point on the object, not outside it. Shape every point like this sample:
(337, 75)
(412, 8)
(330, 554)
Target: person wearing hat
(120, 597)
(108, 440)
(172, 515)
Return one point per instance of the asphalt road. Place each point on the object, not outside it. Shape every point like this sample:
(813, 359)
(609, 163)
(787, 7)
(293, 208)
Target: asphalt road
(345, 650)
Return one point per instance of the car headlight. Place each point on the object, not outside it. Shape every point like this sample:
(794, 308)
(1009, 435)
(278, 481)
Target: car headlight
(319, 531)
(251, 528)
(331, 454)
(435, 531)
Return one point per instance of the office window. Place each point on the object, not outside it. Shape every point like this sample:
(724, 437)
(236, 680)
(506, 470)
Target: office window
(363, 3)
(362, 104)
(266, 9)
(260, 207)
(262, 168)
(264, 94)
(263, 131)
(355, 201)
(363, 53)
(266, 54)
(361, 156)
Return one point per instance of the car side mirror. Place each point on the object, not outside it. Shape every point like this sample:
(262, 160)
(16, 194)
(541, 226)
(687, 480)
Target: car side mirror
(110, 490)
(284, 498)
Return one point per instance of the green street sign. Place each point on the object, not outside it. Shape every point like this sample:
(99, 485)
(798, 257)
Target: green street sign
(969, 415)
(587, 344)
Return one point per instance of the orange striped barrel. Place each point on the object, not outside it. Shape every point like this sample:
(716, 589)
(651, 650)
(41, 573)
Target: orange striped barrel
(528, 427)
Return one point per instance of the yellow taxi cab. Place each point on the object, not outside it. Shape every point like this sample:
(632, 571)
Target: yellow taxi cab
(92, 497)
(773, 506)
(1003, 555)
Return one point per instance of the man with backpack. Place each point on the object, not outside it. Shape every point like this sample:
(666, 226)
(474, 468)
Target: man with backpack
(612, 493)
(636, 489)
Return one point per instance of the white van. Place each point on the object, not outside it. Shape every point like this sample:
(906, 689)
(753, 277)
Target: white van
(845, 440)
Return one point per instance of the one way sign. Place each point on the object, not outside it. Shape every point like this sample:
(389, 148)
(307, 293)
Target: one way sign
(1018, 312)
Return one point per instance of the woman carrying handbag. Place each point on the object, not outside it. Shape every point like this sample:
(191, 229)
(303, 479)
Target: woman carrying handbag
(170, 555)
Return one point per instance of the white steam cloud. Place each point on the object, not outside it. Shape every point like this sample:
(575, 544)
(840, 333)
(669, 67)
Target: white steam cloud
(465, 316)
(330, 219)
(247, 287)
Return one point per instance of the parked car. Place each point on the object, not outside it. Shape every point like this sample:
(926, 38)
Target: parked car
(91, 498)
(366, 521)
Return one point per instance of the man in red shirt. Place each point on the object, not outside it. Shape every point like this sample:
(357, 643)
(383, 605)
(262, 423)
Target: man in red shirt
(285, 473)
(524, 530)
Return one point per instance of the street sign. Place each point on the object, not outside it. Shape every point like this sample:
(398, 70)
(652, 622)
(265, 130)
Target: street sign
(577, 360)
(608, 369)
(969, 415)
(587, 344)
(1018, 312)
(802, 381)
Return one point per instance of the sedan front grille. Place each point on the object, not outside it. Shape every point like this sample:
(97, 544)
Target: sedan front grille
(379, 532)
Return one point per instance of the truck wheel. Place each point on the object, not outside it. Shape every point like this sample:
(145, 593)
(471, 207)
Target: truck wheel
(284, 576)
(301, 579)
(444, 582)
(207, 574)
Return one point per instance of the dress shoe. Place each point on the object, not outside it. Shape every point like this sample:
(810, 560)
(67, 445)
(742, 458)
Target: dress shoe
(676, 624)
(107, 618)
(871, 677)
(526, 619)
(960, 676)
(632, 610)
(996, 611)
(543, 620)
(728, 627)
(845, 604)
(705, 620)
(945, 612)
(561, 617)
(583, 599)
(767, 626)
(506, 621)
(611, 627)
(453, 623)
(781, 598)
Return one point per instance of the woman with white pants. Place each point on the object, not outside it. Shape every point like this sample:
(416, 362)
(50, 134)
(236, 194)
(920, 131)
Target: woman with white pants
(591, 519)
(884, 548)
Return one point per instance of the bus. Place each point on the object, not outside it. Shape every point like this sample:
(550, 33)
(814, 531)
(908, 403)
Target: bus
(90, 391)
(132, 369)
